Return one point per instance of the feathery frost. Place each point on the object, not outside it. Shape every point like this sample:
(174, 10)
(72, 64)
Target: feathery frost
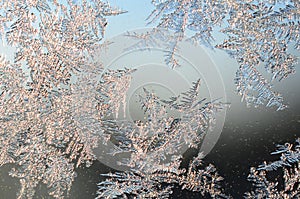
(38, 134)
(258, 33)
(155, 145)
(289, 163)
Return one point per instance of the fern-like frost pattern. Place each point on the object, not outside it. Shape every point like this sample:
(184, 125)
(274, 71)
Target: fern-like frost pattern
(258, 33)
(289, 163)
(54, 42)
(155, 146)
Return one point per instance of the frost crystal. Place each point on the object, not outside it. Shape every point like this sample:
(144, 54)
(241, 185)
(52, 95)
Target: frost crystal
(196, 16)
(289, 162)
(257, 33)
(53, 44)
(154, 147)
(117, 81)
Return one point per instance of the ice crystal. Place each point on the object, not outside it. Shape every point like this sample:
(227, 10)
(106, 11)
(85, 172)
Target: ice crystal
(279, 27)
(32, 138)
(162, 134)
(53, 42)
(155, 146)
(119, 82)
(153, 39)
(257, 33)
(255, 89)
(289, 163)
(196, 16)
(159, 183)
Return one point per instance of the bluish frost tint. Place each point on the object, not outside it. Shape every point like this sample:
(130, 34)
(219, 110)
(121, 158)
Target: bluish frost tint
(258, 34)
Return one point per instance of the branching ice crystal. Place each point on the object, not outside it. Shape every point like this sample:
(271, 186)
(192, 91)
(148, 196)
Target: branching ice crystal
(195, 17)
(119, 82)
(54, 42)
(155, 147)
(160, 182)
(255, 89)
(258, 33)
(289, 162)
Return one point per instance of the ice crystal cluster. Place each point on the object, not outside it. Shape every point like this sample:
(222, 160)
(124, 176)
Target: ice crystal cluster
(57, 101)
(53, 42)
(155, 146)
(258, 34)
(289, 163)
